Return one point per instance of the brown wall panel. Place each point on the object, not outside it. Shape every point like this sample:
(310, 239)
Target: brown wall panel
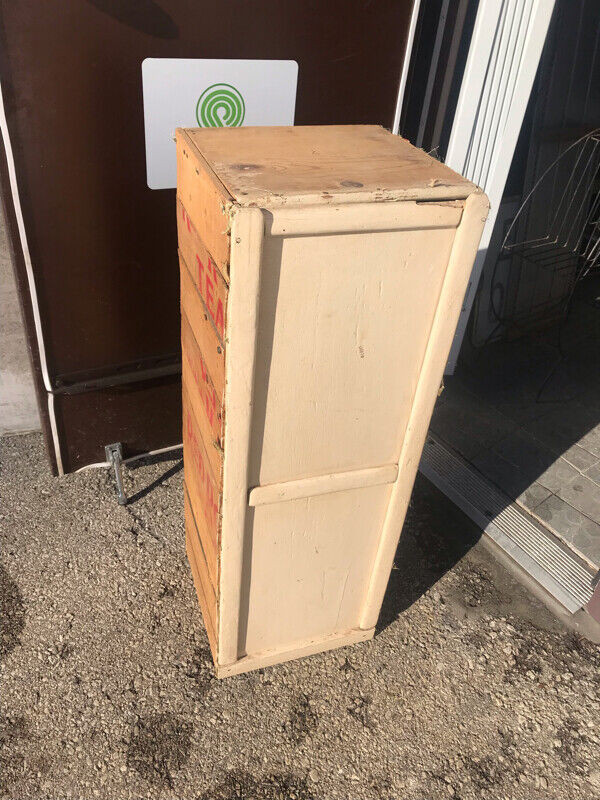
(103, 245)
(89, 420)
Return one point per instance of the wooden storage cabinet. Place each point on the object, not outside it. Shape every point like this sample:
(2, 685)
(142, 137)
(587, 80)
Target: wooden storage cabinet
(322, 274)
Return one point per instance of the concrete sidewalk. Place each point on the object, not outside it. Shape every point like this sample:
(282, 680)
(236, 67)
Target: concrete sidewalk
(470, 689)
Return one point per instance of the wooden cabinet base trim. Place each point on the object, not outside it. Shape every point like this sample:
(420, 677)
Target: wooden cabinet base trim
(248, 663)
(322, 484)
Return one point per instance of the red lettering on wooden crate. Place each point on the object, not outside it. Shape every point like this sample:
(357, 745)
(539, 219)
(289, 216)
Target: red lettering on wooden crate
(206, 286)
(186, 219)
(207, 494)
(207, 392)
(208, 279)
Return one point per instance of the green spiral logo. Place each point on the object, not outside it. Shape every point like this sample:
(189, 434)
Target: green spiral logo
(220, 106)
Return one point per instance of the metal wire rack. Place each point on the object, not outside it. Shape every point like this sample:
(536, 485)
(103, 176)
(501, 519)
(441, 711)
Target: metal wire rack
(556, 230)
(572, 236)
(562, 211)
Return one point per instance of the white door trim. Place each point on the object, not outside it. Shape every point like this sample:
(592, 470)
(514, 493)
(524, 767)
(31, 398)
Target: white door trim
(505, 51)
(14, 188)
(405, 65)
(433, 67)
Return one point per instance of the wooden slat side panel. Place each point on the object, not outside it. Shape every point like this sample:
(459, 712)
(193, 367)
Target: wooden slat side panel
(207, 542)
(214, 452)
(203, 488)
(209, 554)
(205, 199)
(205, 605)
(200, 386)
(204, 331)
(208, 279)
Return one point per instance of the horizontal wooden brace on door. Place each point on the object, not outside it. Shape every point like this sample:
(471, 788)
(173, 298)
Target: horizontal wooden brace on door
(361, 217)
(322, 484)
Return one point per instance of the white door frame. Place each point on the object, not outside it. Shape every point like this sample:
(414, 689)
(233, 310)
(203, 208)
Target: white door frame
(406, 64)
(14, 188)
(504, 54)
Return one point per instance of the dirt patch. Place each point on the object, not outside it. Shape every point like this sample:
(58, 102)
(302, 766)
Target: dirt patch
(537, 652)
(302, 721)
(360, 709)
(243, 786)
(12, 614)
(526, 660)
(13, 733)
(159, 747)
(576, 654)
(569, 743)
(473, 591)
(485, 772)
(201, 670)
(475, 640)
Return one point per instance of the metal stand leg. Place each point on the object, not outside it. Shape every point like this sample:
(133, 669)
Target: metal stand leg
(114, 456)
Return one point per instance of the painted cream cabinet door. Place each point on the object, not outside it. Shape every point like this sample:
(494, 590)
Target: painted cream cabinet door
(341, 256)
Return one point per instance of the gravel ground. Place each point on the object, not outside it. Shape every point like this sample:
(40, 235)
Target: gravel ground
(470, 689)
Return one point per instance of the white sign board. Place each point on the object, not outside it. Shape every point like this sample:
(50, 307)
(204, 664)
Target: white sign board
(205, 92)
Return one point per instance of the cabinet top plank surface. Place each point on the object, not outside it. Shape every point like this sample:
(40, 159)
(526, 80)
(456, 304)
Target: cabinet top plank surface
(274, 166)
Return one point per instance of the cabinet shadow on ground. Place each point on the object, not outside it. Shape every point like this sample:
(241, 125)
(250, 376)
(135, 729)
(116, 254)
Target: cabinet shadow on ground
(435, 537)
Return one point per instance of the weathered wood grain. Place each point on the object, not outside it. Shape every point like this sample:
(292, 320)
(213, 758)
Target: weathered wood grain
(204, 589)
(208, 279)
(203, 486)
(207, 404)
(203, 329)
(205, 199)
(275, 166)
